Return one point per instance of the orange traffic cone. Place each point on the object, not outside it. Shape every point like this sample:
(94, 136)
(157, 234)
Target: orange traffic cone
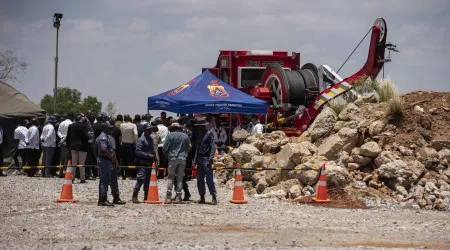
(322, 193)
(153, 197)
(194, 171)
(216, 153)
(66, 193)
(238, 193)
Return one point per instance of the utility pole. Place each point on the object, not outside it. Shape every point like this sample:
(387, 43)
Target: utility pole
(56, 23)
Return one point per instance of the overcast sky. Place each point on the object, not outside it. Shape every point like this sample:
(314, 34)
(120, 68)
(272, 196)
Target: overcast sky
(124, 51)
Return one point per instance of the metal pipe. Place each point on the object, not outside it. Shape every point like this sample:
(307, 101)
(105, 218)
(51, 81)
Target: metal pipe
(55, 91)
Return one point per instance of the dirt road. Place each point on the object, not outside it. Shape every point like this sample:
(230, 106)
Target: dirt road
(32, 219)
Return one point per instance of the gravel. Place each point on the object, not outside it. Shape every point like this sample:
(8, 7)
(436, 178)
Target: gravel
(32, 219)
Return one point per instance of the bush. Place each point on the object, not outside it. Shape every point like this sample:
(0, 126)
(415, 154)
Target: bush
(387, 90)
(337, 106)
(366, 85)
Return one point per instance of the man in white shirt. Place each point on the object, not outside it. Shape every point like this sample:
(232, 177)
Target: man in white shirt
(48, 140)
(62, 134)
(21, 136)
(257, 126)
(129, 138)
(33, 146)
(163, 131)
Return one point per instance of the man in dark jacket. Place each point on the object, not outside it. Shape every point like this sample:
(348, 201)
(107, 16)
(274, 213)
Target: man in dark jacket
(204, 154)
(145, 154)
(78, 143)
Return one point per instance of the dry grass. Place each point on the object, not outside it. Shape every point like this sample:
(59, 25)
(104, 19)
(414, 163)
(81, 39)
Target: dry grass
(387, 90)
(395, 103)
(337, 106)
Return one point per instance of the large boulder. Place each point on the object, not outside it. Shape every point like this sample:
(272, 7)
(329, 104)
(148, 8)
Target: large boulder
(261, 185)
(372, 97)
(245, 153)
(398, 172)
(385, 157)
(311, 147)
(344, 140)
(337, 176)
(370, 149)
(295, 191)
(361, 160)
(291, 155)
(417, 169)
(310, 177)
(350, 112)
(323, 123)
(376, 127)
(444, 154)
(240, 135)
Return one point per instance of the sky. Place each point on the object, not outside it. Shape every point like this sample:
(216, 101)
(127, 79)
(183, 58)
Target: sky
(124, 51)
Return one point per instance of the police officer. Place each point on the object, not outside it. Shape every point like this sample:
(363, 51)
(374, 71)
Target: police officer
(106, 160)
(204, 154)
(114, 171)
(146, 151)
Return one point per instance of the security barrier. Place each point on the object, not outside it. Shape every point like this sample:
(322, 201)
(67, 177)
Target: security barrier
(149, 167)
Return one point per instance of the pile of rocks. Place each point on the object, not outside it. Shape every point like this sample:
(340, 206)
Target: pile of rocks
(354, 147)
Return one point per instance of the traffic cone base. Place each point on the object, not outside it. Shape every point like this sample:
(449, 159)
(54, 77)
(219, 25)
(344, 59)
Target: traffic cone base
(66, 193)
(322, 193)
(153, 197)
(238, 192)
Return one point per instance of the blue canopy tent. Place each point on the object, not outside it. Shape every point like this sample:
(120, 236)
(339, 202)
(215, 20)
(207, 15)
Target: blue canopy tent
(207, 94)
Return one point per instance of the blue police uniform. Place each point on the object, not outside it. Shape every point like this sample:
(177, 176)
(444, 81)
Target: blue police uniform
(145, 148)
(205, 149)
(104, 163)
(114, 183)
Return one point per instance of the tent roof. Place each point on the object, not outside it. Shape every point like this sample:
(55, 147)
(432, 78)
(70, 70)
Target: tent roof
(14, 104)
(206, 94)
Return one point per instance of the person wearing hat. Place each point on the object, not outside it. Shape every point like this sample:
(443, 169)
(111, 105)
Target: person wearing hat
(146, 155)
(106, 160)
(205, 148)
(48, 142)
(176, 149)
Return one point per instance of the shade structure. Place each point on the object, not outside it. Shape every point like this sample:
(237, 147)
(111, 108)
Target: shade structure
(14, 104)
(207, 94)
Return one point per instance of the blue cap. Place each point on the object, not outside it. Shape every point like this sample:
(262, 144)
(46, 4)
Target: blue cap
(103, 115)
(52, 119)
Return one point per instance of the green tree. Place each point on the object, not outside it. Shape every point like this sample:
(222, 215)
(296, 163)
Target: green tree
(91, 103)
(111, 109)
(69, 101)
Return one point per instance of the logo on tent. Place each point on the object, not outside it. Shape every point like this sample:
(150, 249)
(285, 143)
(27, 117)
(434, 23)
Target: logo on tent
(180, 88)
(216, 90)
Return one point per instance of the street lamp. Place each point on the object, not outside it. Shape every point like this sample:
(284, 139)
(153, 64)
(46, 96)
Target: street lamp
(56, 23)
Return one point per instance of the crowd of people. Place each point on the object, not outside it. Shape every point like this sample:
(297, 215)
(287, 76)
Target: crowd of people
(172, 144)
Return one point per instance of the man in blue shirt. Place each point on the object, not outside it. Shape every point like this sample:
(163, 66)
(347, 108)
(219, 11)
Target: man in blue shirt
(145, 154)
(176, 148)
(106, 159)
(204, 154)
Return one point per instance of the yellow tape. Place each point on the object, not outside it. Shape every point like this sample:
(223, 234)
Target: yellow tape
(79, 166)
(40, 167)
(340, 89)
(331, 94)
(132, 167)
(4, 168)
(26, 167)
(259, 169)
(278, 168)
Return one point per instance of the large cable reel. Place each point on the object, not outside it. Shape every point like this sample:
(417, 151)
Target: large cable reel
(290, 88)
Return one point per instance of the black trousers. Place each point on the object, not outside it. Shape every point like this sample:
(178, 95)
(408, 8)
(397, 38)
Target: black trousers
(90, 160)
(128, 159)
(163, 163)
(33, 160)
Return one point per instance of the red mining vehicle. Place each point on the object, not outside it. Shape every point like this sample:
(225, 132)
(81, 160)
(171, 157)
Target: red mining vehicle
(295, 93)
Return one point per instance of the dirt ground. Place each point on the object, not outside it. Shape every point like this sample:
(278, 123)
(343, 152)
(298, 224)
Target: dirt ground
(32, 219)
(434, 124)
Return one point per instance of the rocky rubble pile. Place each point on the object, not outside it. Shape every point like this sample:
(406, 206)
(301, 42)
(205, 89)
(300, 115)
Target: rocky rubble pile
(356, 147)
